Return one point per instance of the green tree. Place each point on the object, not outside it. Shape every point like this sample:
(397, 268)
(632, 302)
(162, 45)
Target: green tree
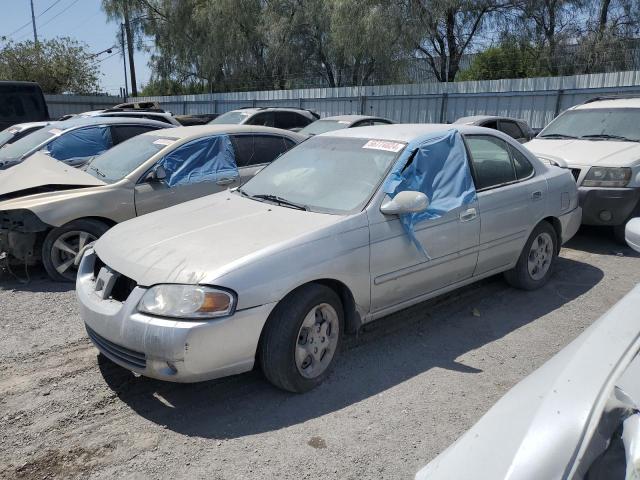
(60, 65)
(507, 60)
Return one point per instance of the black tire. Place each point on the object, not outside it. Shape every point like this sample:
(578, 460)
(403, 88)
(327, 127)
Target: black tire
(519, 276)
(51, 257)
(280, 337)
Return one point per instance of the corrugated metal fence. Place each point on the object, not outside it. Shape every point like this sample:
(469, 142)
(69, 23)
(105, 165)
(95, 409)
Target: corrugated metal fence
(536, 100)
(60, 105)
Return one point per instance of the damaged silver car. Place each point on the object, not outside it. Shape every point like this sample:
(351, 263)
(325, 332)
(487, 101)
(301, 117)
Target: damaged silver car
(347, 227)
(50, 211)
(576, 417)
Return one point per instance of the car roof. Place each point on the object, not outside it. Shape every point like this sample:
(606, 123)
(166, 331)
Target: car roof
(403, 132)
(351, 118)
(84, 121)
(25, 125)
(252, 110)
(204, 130)
(609, 103)
(481, 118)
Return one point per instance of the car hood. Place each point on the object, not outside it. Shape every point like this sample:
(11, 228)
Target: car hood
(198, 241)
(40, 170)
(539, 428)
(588, 152)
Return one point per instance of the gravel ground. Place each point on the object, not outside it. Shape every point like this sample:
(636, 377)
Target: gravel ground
(402, 391)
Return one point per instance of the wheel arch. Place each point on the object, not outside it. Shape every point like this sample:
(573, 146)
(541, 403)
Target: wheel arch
(557, 226)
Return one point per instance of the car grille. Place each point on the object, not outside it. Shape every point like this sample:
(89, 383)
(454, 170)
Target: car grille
(125, 355)
(122, 287)
(576, 173)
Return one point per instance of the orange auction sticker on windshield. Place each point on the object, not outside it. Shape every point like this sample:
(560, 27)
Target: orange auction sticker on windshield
(384, 145)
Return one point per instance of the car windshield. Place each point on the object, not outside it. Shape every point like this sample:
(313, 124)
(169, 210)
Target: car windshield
(18, 148)
(596, 124)
(118, 162)
(7, 134)
(321, 126)
(326, 174)
(234, 117)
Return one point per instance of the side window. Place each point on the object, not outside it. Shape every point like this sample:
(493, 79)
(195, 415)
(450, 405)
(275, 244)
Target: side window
(243, 147)
(120, 133)
(491, 161)
(203, 160)
(380, 122)
(363, 123)
(289, 120)
(511, 128)
(493, 124)
(269, 147)
(80, 143)
(264, 119)
(523, 166)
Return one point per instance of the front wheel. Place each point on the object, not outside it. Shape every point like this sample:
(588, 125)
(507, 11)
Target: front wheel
(62, 245)
(302, 338)
(537, 260)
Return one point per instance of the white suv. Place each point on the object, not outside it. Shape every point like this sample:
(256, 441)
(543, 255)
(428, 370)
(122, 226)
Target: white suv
(600, 142)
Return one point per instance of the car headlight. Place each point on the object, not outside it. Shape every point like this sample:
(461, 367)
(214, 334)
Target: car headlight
(607, 177)
(187, 302)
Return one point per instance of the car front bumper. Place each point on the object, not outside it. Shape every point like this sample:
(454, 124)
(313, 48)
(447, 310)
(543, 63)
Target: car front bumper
(607, 206)
(167, 349)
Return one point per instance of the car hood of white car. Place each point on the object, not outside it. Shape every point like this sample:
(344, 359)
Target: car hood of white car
(40, 170)
(542, 426)
(604, 153)
(200, 240)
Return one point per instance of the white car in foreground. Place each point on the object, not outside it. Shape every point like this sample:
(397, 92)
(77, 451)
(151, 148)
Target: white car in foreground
(577, 416)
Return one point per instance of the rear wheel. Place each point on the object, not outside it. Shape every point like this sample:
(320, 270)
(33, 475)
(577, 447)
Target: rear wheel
(62, 245)
(537, 260)
(302, 338)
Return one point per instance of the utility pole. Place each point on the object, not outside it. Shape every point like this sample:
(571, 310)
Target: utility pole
(33, 21)
(124, 61)
(127, 28)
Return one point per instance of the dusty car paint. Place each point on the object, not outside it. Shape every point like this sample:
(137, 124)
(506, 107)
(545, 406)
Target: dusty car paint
(263, 252)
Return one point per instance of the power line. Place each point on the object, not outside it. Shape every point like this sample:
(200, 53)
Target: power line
(37, 16)
(59, 13)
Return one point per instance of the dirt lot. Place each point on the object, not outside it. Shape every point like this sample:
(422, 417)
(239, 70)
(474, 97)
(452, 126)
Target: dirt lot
(403, 390)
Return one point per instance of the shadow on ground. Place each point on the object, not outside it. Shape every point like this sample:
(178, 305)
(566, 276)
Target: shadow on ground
(31, 279)
(387, 353)
(599, 240)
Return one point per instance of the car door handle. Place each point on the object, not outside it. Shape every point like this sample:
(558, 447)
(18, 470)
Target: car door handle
(536, 195)
(468, 215)
(225, 181)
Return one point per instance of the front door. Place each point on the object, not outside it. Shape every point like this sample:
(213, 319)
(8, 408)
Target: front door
(196, 169)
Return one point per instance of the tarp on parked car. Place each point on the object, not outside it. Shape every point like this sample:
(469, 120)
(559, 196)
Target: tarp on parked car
(437, 166)
(81, 143)
(204, 160)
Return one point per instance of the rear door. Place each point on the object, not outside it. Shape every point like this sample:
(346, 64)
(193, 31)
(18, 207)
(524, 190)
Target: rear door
(256, 151)
(195, 169)
(508, 198)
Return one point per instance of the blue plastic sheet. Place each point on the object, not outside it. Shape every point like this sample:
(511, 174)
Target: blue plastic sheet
(80, 143)
(438, 168)
(204, 160)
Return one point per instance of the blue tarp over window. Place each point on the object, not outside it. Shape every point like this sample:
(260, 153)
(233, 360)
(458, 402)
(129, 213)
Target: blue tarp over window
(79, 143)
(437, 166)
(204, 160)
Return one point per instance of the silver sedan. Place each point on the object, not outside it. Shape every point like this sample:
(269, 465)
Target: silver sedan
(343, 229)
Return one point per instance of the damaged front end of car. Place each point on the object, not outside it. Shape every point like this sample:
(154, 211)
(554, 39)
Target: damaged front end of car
(21, 236)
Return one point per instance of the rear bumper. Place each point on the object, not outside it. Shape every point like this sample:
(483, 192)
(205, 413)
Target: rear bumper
(570, 223)
(166, 349)
(607, 206)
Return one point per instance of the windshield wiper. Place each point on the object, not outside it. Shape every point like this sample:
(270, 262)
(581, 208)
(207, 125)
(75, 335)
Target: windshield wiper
(97, 171)
(279, 200)
(556, 135)
(607, 136)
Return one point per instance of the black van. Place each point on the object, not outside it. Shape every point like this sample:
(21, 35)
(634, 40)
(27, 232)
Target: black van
(21, 102)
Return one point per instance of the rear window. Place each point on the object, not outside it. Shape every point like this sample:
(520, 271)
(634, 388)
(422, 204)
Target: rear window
(231, 118)
(322, 126)
(21, 103)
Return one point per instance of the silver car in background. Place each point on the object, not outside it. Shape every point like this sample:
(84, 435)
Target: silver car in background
(313, 247)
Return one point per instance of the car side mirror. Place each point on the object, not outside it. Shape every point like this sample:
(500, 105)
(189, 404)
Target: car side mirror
(158, 174)
(405, 202)
(632, 233)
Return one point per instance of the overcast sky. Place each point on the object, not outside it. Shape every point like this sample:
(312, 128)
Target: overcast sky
(82, 20)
